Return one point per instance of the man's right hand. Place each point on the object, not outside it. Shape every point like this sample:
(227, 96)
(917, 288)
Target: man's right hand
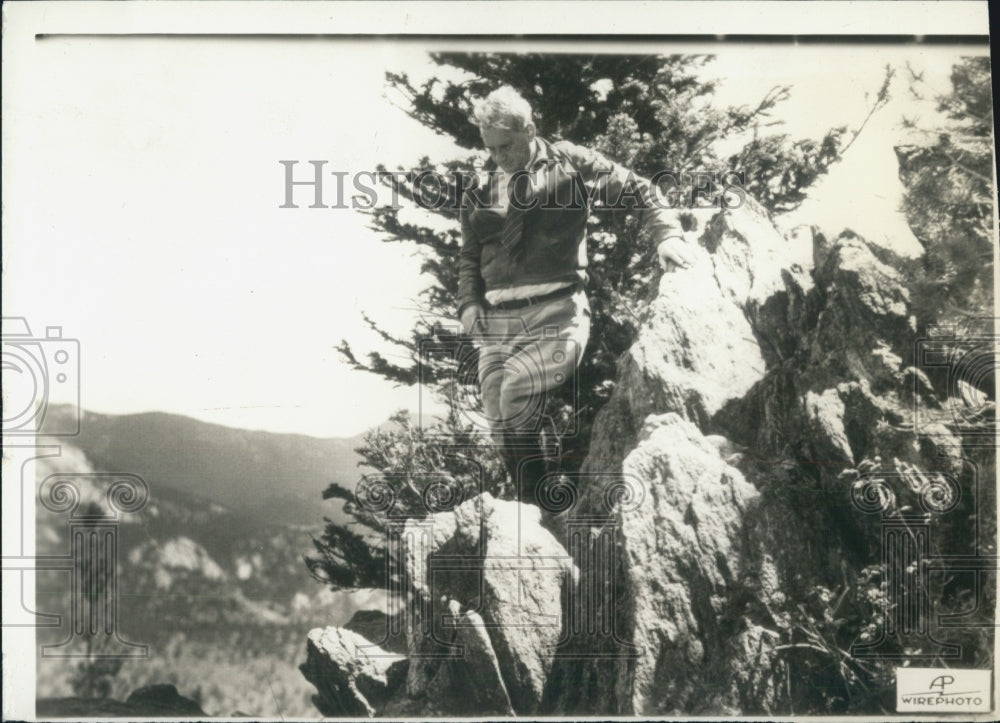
(473, 320)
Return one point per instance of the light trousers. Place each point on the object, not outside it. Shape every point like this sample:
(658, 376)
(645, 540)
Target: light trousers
(526, 353)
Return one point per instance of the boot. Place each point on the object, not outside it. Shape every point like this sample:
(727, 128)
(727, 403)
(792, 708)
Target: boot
(526, 464)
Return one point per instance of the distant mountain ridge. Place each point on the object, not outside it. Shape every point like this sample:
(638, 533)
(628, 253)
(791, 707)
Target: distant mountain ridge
(221, 600)
(266, 476)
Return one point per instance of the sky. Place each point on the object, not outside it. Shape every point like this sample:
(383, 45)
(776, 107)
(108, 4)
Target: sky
(144, 218)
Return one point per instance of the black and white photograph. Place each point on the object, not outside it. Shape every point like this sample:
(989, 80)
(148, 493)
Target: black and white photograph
(416, 360)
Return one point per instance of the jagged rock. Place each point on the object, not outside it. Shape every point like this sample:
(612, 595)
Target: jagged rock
(491, 559)
(683, 559)
(352, 675)
(865, 317)
(683, 565)
(852, 327)
(478, 668)
(385, 631)
(705, 560)
(151, 701)
(696, 349)
(748, 254)
(764, 384)
(466, 682)
(825, 416)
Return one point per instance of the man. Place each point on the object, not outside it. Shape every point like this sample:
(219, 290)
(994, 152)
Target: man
(523, 265)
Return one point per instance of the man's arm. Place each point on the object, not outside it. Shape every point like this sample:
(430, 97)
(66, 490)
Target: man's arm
(608, 180)
(470, 279)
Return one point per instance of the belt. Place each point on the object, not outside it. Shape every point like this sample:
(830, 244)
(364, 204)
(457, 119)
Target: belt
(532, 300)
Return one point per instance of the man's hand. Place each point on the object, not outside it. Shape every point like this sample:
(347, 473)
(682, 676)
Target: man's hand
(473, 320)
(674, 253)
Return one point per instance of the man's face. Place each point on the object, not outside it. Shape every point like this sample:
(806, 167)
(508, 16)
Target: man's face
(510, 150)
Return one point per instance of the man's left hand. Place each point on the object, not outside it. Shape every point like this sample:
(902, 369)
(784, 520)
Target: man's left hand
(674, 253)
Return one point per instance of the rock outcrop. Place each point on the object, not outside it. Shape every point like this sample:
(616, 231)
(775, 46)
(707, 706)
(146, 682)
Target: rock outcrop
(484, 588)
(688, 569)
(766, 386)
(353, 677)
(491, 557)
(378, 627)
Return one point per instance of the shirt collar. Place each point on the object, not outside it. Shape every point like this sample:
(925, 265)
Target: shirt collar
(539, 154)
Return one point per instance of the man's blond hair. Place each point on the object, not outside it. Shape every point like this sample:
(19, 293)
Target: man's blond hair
(504, 108)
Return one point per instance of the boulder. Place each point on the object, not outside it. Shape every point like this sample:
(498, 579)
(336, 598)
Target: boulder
(696, 348)
(486, 583)
(466, 681)
(385, 631)
(352, 676)
(684, 564)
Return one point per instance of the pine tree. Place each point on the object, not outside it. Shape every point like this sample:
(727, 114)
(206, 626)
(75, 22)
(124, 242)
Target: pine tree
(949, 200)
(649, 113)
